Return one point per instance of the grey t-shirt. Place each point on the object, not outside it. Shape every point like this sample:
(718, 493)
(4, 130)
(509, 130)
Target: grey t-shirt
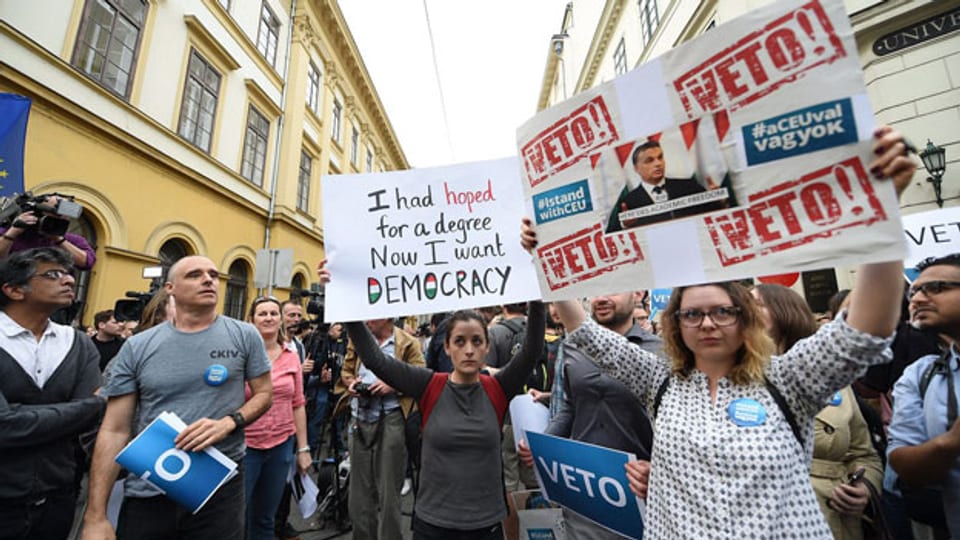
(167, 369)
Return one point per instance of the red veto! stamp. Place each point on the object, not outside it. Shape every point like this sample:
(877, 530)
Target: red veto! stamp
(569, 140)
(817, 205)
(587, 253)
(761, 62)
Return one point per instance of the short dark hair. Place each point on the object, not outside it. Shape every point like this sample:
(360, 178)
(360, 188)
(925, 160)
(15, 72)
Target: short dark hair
(952, 259)
(519, 307)
(17, 268)
(102, 317)
(290, 302)
(650, 143)
(438, 318)
(466, 315)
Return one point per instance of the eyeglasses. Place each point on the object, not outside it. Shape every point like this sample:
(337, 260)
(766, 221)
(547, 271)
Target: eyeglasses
(54, 275)
(261, 299)
(932, 288)
(720, 315)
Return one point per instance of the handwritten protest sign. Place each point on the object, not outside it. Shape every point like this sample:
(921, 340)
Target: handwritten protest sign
(934, 233)
(425, 240)
(588, 479)
(744, 152)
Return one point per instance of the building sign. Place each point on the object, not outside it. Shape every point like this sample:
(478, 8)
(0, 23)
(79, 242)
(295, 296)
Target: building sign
(925, 30)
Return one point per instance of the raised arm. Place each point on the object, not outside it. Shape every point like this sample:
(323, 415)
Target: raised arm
(408, 379)
(518, 369)
(875, 299)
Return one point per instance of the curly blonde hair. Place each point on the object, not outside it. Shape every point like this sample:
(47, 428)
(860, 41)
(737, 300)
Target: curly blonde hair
(752, 357)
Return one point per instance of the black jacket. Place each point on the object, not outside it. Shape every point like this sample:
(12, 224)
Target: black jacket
(39, 428)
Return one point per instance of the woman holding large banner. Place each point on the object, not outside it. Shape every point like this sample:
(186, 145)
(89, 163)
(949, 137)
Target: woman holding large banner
(726, 461)
(461, 492)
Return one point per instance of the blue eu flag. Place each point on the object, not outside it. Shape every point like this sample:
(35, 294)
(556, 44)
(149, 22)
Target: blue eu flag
(14, 110)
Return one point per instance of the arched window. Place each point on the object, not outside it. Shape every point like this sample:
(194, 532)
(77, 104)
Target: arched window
(84, 227)
(235, 302)
(296, 285)
(170, 252)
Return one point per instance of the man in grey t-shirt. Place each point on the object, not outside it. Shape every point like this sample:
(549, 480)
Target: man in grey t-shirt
(196, 367)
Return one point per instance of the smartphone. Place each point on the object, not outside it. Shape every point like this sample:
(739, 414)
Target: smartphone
(856, 476)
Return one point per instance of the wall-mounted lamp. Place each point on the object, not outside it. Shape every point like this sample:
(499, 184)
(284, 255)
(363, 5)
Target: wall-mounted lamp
(935, 161)
(557, 41)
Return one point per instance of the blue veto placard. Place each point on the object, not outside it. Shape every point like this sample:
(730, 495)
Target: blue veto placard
(189, 478)
(802, 131)
(588, 479)
(564, 201)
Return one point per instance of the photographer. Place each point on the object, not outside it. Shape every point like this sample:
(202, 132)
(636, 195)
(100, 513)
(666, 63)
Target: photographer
(378, 455)
(40, 224)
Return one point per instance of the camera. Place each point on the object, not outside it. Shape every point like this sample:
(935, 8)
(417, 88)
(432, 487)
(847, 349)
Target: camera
(315, 305)
(52, 220)
(363, 389)
(131, 310)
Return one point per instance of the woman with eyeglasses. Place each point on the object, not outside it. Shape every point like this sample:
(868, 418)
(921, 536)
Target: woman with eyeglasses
(725, 461)
(271, 439)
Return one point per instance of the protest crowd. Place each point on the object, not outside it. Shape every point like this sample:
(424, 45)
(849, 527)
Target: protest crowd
(747, 415)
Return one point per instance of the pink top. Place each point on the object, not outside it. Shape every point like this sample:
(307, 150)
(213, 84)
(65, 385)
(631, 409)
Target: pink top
(276, 425)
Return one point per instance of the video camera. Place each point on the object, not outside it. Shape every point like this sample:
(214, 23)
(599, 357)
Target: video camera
(132, 310)
(52, 220)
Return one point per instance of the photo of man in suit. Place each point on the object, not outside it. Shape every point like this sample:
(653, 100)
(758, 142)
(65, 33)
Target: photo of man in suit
(655, 187)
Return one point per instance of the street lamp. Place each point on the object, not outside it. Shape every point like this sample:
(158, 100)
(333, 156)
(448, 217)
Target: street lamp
(934, 160)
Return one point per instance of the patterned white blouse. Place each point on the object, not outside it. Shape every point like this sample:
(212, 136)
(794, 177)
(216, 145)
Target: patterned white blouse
(713, 478)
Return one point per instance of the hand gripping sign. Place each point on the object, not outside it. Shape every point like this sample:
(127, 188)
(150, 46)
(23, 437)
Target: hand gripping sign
(588, 479)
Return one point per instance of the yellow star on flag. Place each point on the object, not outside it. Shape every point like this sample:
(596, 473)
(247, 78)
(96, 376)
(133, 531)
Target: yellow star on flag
(3, 174)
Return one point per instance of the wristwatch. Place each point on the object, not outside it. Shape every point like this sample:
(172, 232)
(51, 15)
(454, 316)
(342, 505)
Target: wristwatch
(238, 419)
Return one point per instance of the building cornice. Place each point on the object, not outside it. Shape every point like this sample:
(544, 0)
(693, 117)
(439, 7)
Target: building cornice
(612, 10)
(352, 68)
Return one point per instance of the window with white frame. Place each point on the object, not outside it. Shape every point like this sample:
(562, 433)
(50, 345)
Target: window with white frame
(649, 20)
(268, 35)
(303, 181)
(255, 147)
(620, 58)
(108, 42)
(313, 88)
(199, 108)
(335, 120)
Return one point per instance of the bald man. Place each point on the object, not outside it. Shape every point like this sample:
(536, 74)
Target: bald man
(195, 367)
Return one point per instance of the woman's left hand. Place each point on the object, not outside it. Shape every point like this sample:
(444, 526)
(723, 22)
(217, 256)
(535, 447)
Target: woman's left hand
(850, 499)
(304, 461)
(893, 158)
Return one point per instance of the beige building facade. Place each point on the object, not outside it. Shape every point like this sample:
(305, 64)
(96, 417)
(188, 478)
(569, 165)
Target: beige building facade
(192, 127)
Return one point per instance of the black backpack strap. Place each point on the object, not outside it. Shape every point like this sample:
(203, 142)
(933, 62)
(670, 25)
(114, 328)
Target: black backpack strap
(659, 396)
(941, 366)
(784, 409)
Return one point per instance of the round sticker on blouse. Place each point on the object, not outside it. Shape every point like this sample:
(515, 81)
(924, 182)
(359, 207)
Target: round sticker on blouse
(836, 400)
(747, 412)
(215, 375)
